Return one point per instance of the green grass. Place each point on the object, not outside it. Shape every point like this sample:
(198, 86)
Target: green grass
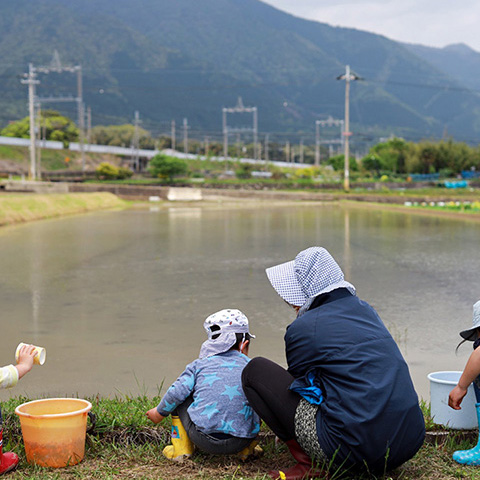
(125, 445)
(54, 159)
(16, 208)
(15, 154)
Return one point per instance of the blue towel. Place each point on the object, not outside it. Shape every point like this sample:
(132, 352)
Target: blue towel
(307, 389)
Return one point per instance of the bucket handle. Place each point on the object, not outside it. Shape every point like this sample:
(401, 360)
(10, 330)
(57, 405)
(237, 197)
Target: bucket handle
(93, 421)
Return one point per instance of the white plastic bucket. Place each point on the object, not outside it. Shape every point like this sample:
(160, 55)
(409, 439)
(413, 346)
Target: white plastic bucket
(441, 384)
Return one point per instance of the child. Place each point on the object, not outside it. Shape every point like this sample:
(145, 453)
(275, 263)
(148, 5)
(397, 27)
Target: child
(207, 403)
(470, 374)
(9, 377)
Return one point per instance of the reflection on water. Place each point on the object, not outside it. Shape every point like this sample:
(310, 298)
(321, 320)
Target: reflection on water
(119, 298)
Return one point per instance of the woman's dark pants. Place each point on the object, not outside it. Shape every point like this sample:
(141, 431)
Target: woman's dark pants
(266, 386)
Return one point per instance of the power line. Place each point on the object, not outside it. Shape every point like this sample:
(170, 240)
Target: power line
(103, 89)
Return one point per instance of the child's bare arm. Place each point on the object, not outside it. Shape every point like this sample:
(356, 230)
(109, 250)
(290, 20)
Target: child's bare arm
(470, 373)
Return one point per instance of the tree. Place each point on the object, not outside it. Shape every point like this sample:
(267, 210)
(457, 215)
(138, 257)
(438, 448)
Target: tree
(121, 136)
(53, 126)
(372, 162)
(391, 155)
(338, 163)
(167, 167)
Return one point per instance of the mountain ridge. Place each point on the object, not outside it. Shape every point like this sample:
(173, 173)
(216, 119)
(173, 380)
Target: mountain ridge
(190, 58)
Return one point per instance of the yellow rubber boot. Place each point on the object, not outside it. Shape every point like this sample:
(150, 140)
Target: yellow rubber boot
(181, 447)
(253, 450)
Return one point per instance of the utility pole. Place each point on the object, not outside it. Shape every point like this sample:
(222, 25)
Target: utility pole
(255, 133)
(135, 143)
(172, 139)
(57, 67)
(330, 122)
(348, 77)
(266, 148)
(225, 133)
(38, 138)
(31, 81)
(185, 135)
(287, 151)
(89, 125)
(240, 108)
(81, 115)
(301, 151)
(238, 145)
(206, 146)
(347, 133)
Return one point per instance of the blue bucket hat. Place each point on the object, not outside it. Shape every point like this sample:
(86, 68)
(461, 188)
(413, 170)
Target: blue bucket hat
(313, 272)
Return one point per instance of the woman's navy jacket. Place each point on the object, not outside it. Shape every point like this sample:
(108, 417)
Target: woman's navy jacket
(370, 413)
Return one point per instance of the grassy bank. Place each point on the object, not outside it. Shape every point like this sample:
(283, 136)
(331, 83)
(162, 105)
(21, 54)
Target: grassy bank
(16, 208)
(125, 445)
(465, 215)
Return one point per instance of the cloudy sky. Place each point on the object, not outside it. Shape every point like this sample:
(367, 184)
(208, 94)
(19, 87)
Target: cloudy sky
(435, 23)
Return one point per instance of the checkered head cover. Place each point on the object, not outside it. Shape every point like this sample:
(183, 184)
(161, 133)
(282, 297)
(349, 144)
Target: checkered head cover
(313, 272)
(221, 328)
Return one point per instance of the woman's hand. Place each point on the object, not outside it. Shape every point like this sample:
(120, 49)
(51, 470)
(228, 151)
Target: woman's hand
(154, 416)
(26, 355)
(456, 396)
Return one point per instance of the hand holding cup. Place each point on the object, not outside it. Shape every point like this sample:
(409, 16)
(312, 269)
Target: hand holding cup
(39, 353)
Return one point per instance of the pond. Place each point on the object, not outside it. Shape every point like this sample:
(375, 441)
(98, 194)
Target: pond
(119, 298)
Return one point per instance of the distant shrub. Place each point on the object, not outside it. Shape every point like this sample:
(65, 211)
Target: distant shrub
(244, 170)
(163, 166)
(124, 172)
(107, 171)
(306, 172)
(277, 173)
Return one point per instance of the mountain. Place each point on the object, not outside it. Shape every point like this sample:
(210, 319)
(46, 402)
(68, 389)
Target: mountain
(189, 58)
(458, 61)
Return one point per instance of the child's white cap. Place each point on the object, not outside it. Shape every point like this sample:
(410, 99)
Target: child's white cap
(221, 328)
(471, 333)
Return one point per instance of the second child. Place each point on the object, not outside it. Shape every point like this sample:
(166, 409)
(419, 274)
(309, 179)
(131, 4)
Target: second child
(207, 403)
(471, 374)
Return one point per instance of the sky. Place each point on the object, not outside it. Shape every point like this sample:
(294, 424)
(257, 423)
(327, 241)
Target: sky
(433, 23)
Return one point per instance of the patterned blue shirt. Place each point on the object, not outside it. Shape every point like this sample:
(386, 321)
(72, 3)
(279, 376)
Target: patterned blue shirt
(219, 404)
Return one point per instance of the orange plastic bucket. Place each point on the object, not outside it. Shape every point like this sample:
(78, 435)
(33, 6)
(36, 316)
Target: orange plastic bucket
(54, 430)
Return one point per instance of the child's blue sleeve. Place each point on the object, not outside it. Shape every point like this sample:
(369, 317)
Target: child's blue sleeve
(178, 392)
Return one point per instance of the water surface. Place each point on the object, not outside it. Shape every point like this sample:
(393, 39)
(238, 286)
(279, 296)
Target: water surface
(119, 298)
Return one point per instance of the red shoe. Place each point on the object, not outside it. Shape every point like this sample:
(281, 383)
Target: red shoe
(9, 462)
(303, 469)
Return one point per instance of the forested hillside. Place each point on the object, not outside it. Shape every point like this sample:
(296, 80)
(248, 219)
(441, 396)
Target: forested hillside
(189, 58)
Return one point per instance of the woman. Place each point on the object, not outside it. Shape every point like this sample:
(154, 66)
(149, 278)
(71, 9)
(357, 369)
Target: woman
(347, 397)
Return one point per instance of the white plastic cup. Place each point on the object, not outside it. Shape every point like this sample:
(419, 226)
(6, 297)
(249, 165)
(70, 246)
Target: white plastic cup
(40, 354)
